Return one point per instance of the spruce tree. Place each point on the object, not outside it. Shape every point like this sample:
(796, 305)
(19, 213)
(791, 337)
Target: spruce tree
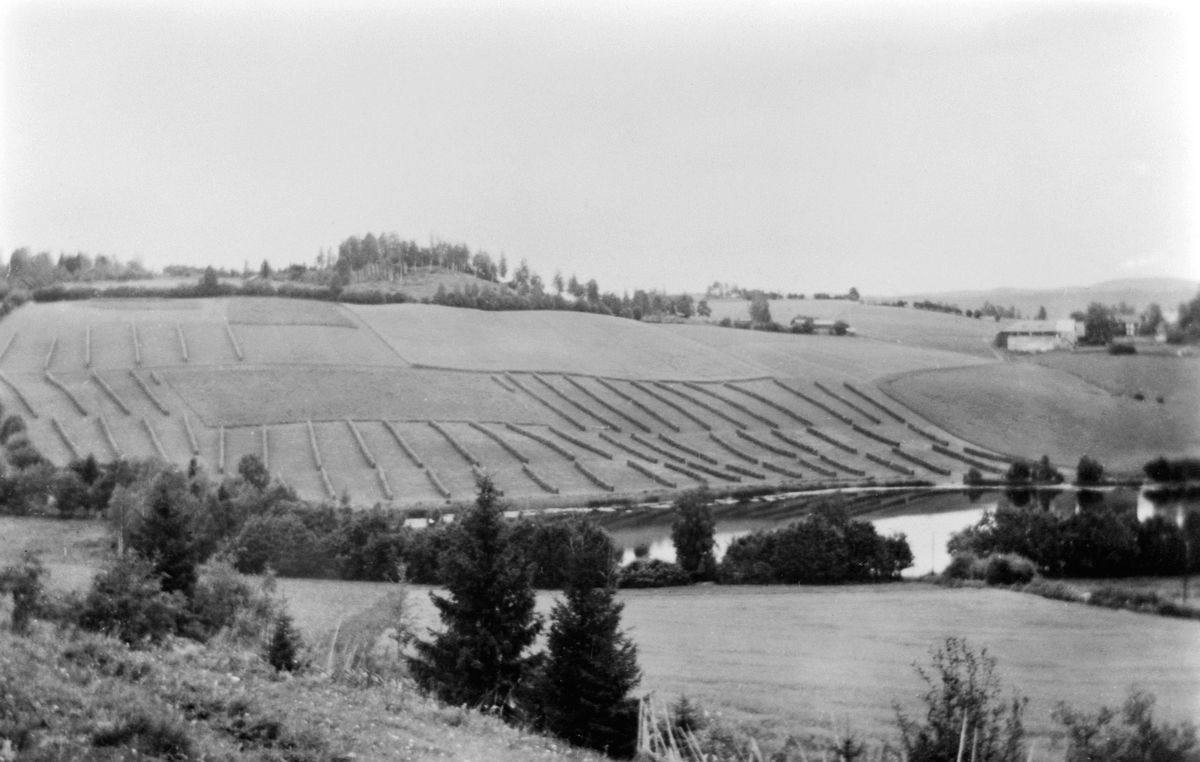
(591, 665)
(283, 652)
(165, 536)
(481, 658)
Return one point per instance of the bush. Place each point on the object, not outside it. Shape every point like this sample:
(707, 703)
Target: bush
(127, 602)
(1121, 348)
(962, 566)
(1128, 736)
(1009, 569)
(226, 601)
(643, 573)
(24, 583)
(148, 734)
(962, 704)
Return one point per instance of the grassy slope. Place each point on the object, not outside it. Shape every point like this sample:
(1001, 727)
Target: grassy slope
(1049, 411)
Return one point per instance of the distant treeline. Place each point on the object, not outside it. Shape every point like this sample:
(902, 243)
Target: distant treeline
(31, 271)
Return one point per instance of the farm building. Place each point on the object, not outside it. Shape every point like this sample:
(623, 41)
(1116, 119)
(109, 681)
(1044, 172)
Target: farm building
(1039, 335)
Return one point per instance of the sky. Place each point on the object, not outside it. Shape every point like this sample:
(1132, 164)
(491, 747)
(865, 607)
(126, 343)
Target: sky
(795, 146)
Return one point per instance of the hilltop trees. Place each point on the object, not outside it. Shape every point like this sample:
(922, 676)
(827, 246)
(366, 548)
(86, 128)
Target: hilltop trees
(481, 658)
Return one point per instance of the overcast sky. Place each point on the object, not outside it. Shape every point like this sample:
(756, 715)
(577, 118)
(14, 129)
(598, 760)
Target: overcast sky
(894, 146)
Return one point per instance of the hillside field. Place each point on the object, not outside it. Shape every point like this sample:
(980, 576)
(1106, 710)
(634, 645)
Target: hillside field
(405, 404)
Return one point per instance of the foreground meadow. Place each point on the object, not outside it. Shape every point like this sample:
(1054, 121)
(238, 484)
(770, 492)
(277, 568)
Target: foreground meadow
(808, 660)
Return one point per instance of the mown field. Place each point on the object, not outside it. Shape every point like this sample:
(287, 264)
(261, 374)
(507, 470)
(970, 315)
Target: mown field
(573, 406)
(1044, 410)
(793, 660)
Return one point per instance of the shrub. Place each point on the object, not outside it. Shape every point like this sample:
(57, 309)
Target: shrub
(1121, 348)
(725, 322)
(962, 566)
(1056, 591)
(643, 573)
(1009, 569)
(127, 602)
(149, 734)
(1128, 736)
(24, 583)
(962, 704)
(226, 601)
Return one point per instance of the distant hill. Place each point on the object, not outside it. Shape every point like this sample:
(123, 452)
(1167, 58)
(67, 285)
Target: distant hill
(1168, 293)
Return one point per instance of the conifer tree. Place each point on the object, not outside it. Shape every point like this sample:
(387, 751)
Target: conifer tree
(481, 658)
(591, 665)
(283, 652)
(165, 537)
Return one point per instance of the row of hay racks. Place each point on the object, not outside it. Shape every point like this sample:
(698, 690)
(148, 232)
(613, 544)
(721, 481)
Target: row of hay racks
(763, 399)
(607, 405)
(638, 404)
(732, 403)
(407, 449)
(20, 395)
(700, 403)
(644, 389)
(116, 398)
(626, 447)
(576, 403)
(547, 403)
(237, 348)
(371, 460)
(150, 393)
(848, 403)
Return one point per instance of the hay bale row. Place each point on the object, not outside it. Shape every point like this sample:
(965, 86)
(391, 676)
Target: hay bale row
(544, 440)
(848, 403)
(157, 379)
(689, 450)
(831, 440)
(714, 472)
(655, 448)
(137, 344)
(685, 471)
(384, 487)
(814, 467)
(362, 444)
(700, 403)
(580, 443)
(8, 344)
(782, 471)
(888, 464)
(409, 451)
(50, 354)
(162, 453)
(237, 348)
(594, 478)
(191, 435)
(607, 405)
(638, 404)
(512, 450)
(87, 347)
(765, 445)
(648, 473)
(183, 350)
(437, 483)
(732, 403)
(987, 455)
(631, 450)
(329, 490)
(931, 437)
(745, 471)
(538, 479)
(21, 396)
(839, 465)
(547, 403)
(70, 395)
(871, 400)
(922, 463)
(671, 404)
(149, 393)
(812, 401)
(62, 434)
(112, 441)
(457, 445)
(969, 461)
(794, 442)
(312, 443)
(732, 449)
(503, 384)
(877, 437)
(478, 472)
(577, 404)
(221, 448)
(109, 391)
(770, 403)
